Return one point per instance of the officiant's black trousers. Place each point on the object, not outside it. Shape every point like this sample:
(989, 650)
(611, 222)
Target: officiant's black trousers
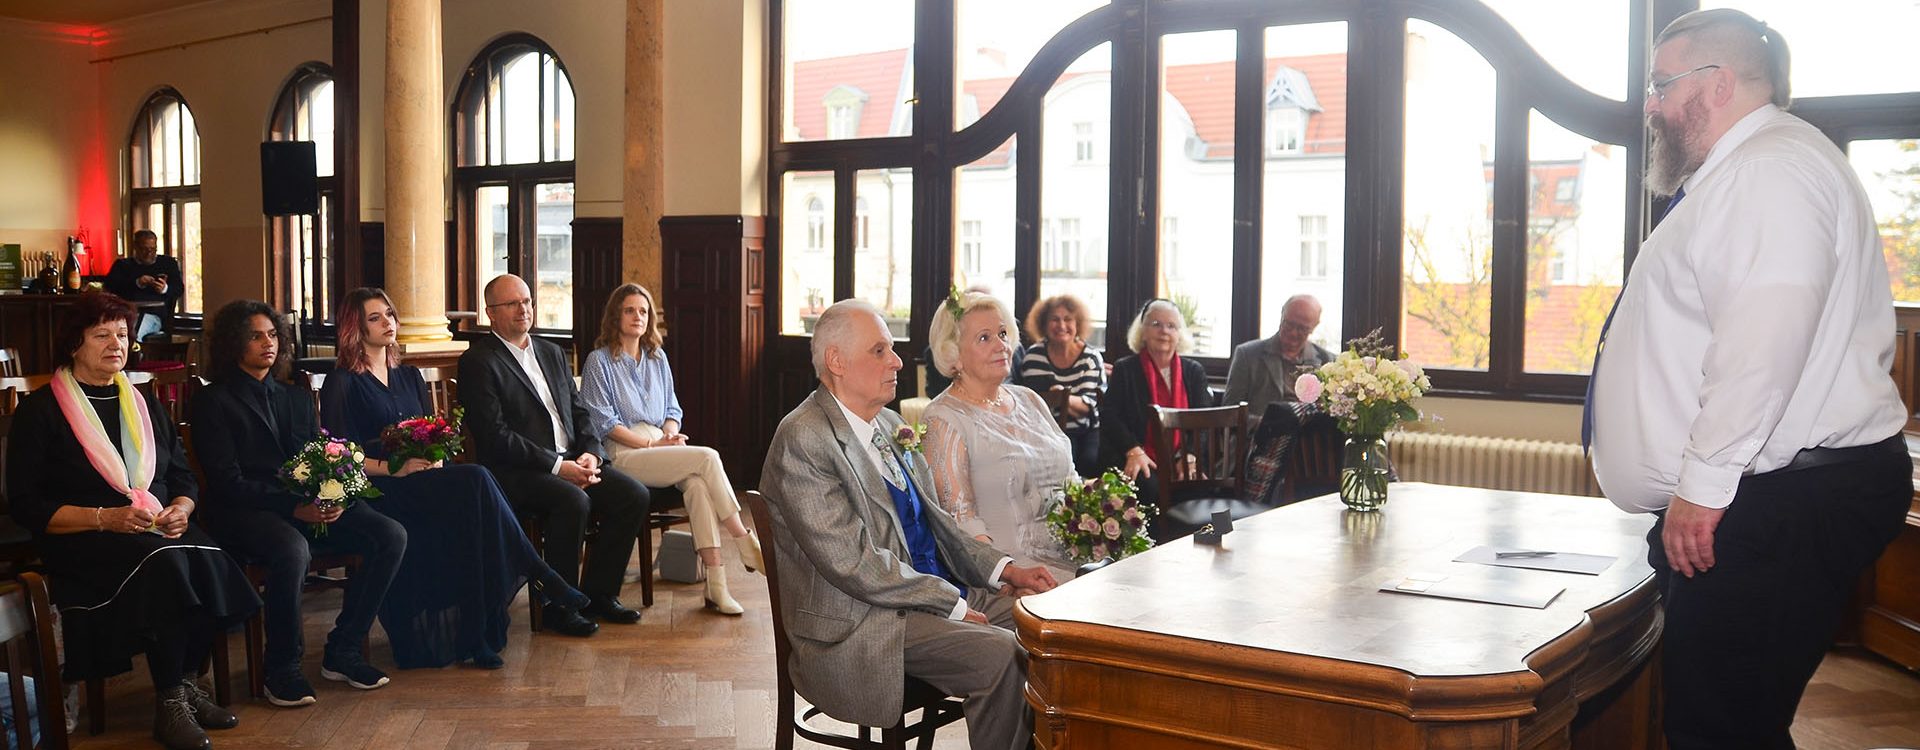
(283, 545)
(1743, 639)
(618, 501)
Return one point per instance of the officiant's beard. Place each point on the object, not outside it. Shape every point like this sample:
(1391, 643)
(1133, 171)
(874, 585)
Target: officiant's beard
(1675, 146)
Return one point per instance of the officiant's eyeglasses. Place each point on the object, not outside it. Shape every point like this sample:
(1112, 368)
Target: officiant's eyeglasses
(1658, 89)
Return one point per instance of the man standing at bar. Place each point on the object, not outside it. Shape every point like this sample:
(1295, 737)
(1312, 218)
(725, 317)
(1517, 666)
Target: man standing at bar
(1742, 392)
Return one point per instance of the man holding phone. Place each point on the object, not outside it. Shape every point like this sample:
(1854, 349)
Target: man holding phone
(147, 276)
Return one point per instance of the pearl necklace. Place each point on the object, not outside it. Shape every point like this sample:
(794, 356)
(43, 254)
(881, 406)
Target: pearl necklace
(991, 403)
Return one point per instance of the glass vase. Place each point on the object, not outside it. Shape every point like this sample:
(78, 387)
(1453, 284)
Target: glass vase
(1364, 469)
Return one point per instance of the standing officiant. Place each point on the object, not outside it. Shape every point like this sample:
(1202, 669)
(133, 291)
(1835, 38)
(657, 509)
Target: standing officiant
(1742, 392)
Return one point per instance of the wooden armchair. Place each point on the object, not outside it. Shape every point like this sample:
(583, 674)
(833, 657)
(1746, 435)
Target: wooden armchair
(26, 626)
(1214, 443)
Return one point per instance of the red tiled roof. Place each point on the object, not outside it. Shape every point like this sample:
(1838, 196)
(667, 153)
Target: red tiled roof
(1205, 90)
(875, 73)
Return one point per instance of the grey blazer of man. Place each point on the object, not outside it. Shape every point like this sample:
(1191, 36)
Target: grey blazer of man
(846, 579)
(1259, 375)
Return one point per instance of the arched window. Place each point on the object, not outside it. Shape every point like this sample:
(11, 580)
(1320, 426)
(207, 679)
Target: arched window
(513, 175)
(163, 192)
(303, 257)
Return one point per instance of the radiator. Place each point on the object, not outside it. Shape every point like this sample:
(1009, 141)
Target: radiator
(1493, 463)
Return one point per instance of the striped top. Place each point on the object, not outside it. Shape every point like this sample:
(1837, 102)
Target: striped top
(1085, 378)
(619, 391)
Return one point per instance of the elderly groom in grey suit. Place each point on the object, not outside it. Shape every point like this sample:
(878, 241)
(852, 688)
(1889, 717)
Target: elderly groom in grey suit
(877, 581)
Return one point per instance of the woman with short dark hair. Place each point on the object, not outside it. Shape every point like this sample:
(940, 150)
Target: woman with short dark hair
(102, 482)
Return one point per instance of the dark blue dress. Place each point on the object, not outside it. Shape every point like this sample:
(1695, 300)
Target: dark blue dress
(466, 554)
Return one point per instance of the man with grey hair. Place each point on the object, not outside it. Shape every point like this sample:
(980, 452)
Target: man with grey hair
(1262, 371)
(1742, 393)
(876, 580)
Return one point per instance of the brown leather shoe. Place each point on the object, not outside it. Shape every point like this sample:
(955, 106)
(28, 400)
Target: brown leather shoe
(173, 724)
(208, 714)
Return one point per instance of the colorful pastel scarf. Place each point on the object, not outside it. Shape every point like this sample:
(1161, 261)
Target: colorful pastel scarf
(130, 470)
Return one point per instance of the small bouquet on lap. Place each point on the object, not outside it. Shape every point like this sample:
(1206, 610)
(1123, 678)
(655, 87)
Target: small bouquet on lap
(434, 439)
(328, 474)
(1101, 519)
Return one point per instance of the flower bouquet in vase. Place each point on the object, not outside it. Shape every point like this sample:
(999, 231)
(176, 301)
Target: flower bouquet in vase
(428, 437)
(1096, 520)
(327, 473)
(1368, 390)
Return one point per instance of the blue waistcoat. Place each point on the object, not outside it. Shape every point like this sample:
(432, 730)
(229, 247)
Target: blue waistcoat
(921, 545)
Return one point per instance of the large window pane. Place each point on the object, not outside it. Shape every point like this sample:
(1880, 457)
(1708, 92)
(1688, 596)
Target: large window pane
(806, 249)
(883, 244)
(489, 233)
(1855, 47)
(989, 52)
(319, 126)
(983, 223)
(847, 73)
(1446, 294)
(520, 109)
(1890, 170)
(189, 147)
(1075, 178)
(1586, 40)
(1576, 205)
(187, 229)
(1196, 184)
(553, 256)
(1303, 203)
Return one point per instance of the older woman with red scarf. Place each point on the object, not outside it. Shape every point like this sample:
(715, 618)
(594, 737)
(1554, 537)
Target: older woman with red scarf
(1155, 376)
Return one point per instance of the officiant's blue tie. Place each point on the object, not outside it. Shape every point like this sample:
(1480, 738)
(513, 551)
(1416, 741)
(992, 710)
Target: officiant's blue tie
(1586, 412)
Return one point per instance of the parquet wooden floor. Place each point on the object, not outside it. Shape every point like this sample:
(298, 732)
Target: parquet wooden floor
(688, 678)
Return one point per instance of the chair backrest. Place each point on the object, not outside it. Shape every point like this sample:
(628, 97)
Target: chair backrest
(1216, 437)
(193, 459)
(26, 626)
(6, 429)
(770, 564)
(439, 389)
(9, 362)
(1314, 466)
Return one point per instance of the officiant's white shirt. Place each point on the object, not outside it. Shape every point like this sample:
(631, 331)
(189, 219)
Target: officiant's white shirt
(1756, 322)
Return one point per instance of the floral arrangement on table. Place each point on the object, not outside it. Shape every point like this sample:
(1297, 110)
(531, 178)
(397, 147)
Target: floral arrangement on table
(1099, 519)
(327, 473)
(427, 437)
(1368, 390)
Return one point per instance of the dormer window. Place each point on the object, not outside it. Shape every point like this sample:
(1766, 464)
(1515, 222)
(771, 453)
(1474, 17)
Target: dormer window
(844, 106)
(1290, 102)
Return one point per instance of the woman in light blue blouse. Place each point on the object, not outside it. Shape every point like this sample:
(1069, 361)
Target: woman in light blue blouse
(627, 388)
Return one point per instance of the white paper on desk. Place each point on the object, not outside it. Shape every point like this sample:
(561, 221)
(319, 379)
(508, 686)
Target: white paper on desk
(1508, 592)
(1560, 562)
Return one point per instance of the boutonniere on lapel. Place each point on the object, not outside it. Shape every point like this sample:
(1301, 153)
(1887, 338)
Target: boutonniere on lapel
(909, 437)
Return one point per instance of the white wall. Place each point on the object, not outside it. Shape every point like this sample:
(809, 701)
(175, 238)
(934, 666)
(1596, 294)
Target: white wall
(49, 125)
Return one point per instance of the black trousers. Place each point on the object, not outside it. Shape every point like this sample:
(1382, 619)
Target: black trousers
(285, 547)
(618, 500)
(1743, 639)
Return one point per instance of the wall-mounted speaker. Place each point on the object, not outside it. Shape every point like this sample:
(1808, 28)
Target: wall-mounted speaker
(287, 183)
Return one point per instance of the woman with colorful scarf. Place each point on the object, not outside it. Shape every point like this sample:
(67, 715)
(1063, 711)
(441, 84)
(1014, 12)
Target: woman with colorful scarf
(100, 478)
(1155, 376)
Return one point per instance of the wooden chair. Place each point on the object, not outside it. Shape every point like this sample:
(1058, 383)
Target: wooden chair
(1313, 469)
(668, 508)
(172, 387)
(26, 626)
(440, 385)
(936, 709)
(9, 362)
(1214, 443)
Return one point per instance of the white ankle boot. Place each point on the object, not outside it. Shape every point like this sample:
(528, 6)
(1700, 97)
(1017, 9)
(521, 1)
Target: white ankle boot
(717, 597)
(750, 552)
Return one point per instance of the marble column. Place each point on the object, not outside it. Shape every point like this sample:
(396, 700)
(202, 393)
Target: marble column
(644, 185)
(416, 230)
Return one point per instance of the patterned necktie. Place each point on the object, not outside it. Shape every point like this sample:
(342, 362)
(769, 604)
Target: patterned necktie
(887, 466)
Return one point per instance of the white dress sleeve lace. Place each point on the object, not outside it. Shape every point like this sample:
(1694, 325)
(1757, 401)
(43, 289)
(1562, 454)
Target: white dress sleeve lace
(946, 450)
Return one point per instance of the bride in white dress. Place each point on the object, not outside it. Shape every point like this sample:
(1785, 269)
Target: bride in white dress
(996, 452)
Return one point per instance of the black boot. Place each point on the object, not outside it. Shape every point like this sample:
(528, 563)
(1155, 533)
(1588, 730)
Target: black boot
(173, 724)
(208, 714)
(557, 593)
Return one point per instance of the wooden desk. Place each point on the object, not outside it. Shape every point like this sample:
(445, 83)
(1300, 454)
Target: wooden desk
(1280, 638)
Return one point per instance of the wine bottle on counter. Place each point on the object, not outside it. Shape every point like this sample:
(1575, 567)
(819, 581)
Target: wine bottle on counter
(48, 280)
(70, 276)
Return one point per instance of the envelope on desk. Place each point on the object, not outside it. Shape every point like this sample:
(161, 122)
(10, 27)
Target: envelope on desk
(1497, 590)
(1531, 559)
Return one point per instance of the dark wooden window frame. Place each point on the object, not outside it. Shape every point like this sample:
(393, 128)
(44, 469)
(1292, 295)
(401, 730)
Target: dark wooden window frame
(520, 179)
(1372, 273)
(169, 197)
(315, 324)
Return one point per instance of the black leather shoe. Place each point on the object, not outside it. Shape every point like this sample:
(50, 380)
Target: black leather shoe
(610, 610)
(486, 658)
(567, 622)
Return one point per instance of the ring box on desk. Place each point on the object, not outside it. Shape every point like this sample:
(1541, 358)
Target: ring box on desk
(1212, 532)
(678, 562)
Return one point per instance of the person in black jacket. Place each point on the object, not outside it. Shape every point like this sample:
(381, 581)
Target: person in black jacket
(531, 430)
(248, 424)
(1157, 375)
(147, 276)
